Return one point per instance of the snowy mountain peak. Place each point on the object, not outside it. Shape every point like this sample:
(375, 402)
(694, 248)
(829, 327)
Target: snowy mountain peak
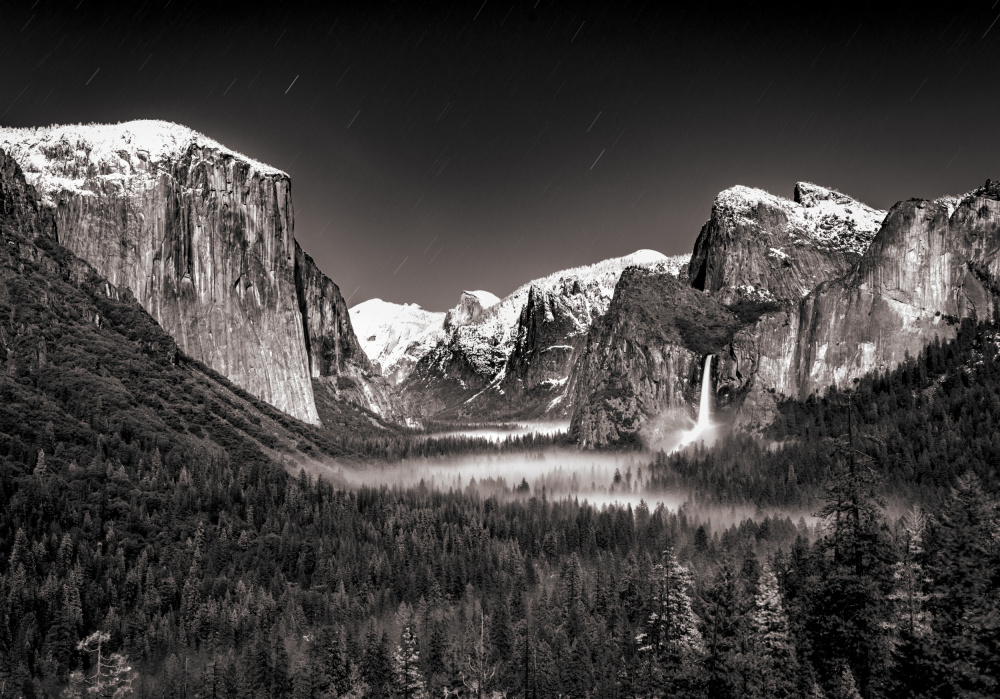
(487, 340)
(821, 215)
(64, 157)
(809, 194)
(485, 298)
(396, 335)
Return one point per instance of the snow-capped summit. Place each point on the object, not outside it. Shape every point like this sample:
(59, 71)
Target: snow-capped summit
(533, 331)
(595, 282)
(73, 156)
(758, 246)
(396, 335)
(471, 308)
(485, 298)
(823, 216)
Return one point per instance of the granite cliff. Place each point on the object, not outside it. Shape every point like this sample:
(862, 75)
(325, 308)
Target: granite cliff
(83, 366)
(513, 358)
(931, 264)
(759, 246)
(339, 367)
(836, 304)
(641, 371)
(203, 237)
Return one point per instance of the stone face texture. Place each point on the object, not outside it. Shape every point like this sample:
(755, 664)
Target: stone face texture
(930, 265)
(21, 214)
(927, 268)
(468, 311)
(765, 247)
(205, 242)
(548, 339)
(642, 366)
(515, 360)
(330, 339)
(337, 363)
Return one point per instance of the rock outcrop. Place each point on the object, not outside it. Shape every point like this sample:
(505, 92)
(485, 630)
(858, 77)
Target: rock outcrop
(551, 332)
(338, 364)
(762, 247)
(515, 360)
(82, 363)
(471, 309)
(931, 264)
(203, 237)
(21, 214)
(331, 344)
(639, 378)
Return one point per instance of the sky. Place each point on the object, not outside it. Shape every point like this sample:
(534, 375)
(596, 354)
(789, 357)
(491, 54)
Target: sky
(436, 147)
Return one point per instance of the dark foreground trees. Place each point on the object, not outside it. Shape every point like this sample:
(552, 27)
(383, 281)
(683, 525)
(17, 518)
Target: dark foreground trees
(224, 581)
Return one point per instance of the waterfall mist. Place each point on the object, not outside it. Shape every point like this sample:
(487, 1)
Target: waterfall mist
(670, 433)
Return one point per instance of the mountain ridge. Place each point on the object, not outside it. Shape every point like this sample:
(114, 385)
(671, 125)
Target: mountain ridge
(929, 265)
(482, 368)
(204, 238)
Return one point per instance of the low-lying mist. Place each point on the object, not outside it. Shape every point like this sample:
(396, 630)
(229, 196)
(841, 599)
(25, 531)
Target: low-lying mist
(559, 472)
(498, 433)
(600, 479)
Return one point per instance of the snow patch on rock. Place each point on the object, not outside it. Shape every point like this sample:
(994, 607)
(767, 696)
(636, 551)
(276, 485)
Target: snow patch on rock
(488, 343)
(115, 154)
(823, 216)
(485, 298)
(396, 335)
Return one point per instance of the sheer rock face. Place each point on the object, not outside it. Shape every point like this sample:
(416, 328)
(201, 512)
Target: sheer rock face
(337, 363)
(330, 339)
(471, 309)
(21, 215)
(201, 236)
(515, 359)
(762, 247)
(931, 264)
(551, 332)
(640, 374)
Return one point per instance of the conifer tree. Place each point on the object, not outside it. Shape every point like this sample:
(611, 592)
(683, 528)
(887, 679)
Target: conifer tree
(908, 594)
(726, 633)
(851, 613)
(670, 641)
(406, 663)
(478, 672)
(112, 675)
(963, 563)
(376, 666)
(777, 666)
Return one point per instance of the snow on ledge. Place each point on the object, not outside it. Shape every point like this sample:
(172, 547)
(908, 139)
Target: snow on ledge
(116, 151)
(823, 215)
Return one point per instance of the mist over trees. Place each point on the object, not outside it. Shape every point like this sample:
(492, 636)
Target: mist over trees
(234, 580)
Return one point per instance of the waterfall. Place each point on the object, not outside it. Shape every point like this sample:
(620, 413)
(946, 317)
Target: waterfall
(704, 430)
(705, 408)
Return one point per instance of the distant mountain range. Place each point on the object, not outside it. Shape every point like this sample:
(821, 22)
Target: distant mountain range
(791, 295)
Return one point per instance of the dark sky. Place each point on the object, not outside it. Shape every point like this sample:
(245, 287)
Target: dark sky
(480, 145)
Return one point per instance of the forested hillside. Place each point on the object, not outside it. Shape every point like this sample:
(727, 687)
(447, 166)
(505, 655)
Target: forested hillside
(226, 580)
(920, 426)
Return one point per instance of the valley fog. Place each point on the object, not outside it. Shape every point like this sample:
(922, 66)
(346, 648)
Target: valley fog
(563, 473)
(498, 433)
